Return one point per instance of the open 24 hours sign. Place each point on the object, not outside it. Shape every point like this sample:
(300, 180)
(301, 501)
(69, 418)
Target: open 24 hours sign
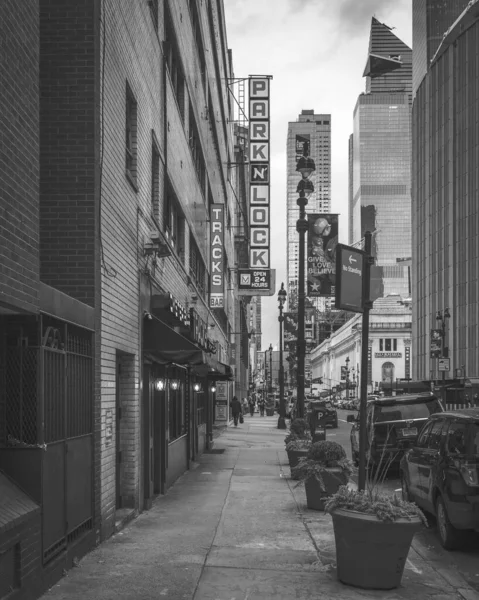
(254, 280)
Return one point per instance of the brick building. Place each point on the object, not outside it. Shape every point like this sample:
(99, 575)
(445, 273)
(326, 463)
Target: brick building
(116, 116)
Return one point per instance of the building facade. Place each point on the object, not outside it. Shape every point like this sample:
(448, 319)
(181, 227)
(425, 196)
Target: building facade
(337, 361)
(381, 155)
(316, 130)
(445, 212)
(431, 19)
(117, 182)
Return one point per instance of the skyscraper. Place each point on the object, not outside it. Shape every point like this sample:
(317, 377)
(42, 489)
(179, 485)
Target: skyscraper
(380, 199)
(316, 129)
(431, 19)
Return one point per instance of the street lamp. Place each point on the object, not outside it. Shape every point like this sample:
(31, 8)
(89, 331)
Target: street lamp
(442, 317)
(305, 188)
(282, 404)
(271, 368)
(347, 377)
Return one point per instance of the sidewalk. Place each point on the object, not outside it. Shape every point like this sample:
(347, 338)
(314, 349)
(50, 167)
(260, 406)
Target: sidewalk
(233, 528)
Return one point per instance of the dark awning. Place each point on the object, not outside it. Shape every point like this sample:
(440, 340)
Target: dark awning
(168, 346)
(214, 369)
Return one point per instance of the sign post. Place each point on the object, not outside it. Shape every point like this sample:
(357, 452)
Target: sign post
(353, 282)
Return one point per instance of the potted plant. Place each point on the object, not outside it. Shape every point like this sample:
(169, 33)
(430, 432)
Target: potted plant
(373, 532)
(297, 449)
(300, 427)
(324, 469)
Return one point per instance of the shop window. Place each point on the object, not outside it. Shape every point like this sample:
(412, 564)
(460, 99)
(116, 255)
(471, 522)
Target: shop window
(176, 412)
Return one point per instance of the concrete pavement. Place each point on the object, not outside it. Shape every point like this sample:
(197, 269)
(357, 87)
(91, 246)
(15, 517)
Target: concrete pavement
(234, 528)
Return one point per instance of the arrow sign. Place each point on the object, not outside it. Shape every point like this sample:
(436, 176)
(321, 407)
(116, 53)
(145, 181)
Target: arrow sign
(351, 259)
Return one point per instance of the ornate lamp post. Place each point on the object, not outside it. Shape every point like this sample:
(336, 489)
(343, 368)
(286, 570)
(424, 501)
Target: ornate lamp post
(271, 368)
(305, 188)
(282, 403)
(442, 317)
(347, 377)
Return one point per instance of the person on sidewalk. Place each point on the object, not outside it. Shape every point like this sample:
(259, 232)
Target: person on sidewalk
(261, 406)
(251, 404)
(235, 409)
(245, 406)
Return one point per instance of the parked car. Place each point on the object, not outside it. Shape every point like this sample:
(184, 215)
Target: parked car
(393, 425)
(327, 410)
(441, 473)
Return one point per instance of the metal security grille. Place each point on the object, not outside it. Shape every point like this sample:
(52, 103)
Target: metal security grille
(21, 395)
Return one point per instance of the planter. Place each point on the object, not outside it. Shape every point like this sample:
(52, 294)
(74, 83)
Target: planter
(294, 456)
(370, 553)
(315, 496)
(270, 412)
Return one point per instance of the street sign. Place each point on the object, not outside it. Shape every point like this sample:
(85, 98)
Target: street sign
(444, 364)
(349, 278)
(256, 282)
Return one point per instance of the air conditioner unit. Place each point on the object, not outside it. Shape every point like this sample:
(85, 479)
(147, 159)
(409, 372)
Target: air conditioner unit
(155, 236)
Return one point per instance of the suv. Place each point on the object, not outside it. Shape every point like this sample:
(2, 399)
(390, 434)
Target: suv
(441, 473)
(393, 425)
(322, 413)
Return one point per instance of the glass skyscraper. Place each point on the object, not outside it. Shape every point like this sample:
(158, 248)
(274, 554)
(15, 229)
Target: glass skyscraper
(380, 158)
(316, 128)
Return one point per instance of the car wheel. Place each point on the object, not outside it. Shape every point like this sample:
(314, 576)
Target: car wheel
(449, 536)
(406, 494)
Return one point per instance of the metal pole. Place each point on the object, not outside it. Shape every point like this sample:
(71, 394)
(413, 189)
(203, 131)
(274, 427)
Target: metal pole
(443, 375)
(364, 363)
(301, 227)
(282, 403)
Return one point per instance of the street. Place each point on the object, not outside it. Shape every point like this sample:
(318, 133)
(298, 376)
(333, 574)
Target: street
(466, 560)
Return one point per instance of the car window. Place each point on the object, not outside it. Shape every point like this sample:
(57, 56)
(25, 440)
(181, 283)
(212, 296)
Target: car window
(405, 411)
(456, 439)
(434, 438)
(422, 439)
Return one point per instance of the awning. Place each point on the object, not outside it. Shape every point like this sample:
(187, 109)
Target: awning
(214, 369)
(168, 346)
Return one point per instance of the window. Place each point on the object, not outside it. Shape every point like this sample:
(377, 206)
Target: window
(197, 267)
(434, 439)
(381, 345)
(174, 65)
(154, 13)
(130, 135)
(174, 222)
(155, 178)
(456, 439)
(422, 439)
(197, 151)
(387, 345)
(387, 372)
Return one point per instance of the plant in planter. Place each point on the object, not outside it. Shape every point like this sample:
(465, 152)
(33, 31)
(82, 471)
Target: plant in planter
(296, 436)
(373, 532)
(299, 427)
(297, 449)
(323, 471)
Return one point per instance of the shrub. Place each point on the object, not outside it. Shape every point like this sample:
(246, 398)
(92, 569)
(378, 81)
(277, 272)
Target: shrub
(328, 454)
(372, 502)
(298, 444)
(299, 426)
(296, 436)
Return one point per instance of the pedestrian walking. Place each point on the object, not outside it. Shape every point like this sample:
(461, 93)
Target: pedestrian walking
(261, 406)
(251, 404)
(236, 410)
(245, 406)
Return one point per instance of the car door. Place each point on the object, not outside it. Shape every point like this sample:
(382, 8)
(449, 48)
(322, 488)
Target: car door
(413, 459)
(428, 465)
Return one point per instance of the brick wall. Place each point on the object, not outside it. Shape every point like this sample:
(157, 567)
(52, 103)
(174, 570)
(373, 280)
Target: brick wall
(69, 62)
(19, 165)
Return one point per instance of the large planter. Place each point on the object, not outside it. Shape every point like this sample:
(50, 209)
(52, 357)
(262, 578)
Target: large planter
(370, 553)
(316, 497)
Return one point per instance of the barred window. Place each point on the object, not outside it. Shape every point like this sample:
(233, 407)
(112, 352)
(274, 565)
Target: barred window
(197, 267)
(174, 222)
(175, 68)
(131, 135)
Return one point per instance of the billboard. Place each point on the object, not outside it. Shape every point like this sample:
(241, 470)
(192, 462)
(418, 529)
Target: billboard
(217, 225)
(259, 160)
(322, 242)
(290, 327)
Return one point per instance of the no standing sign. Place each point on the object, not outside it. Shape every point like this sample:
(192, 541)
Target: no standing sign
(349, 278)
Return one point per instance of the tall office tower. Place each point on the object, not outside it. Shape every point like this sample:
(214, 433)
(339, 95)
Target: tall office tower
(431, 19)
(381, 155)
(316, 129)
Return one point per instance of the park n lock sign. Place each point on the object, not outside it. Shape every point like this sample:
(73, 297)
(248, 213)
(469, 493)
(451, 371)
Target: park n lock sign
(259, 161)
(349, 278)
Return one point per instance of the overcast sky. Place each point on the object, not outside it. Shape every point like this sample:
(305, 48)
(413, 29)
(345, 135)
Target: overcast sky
(316, 51)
